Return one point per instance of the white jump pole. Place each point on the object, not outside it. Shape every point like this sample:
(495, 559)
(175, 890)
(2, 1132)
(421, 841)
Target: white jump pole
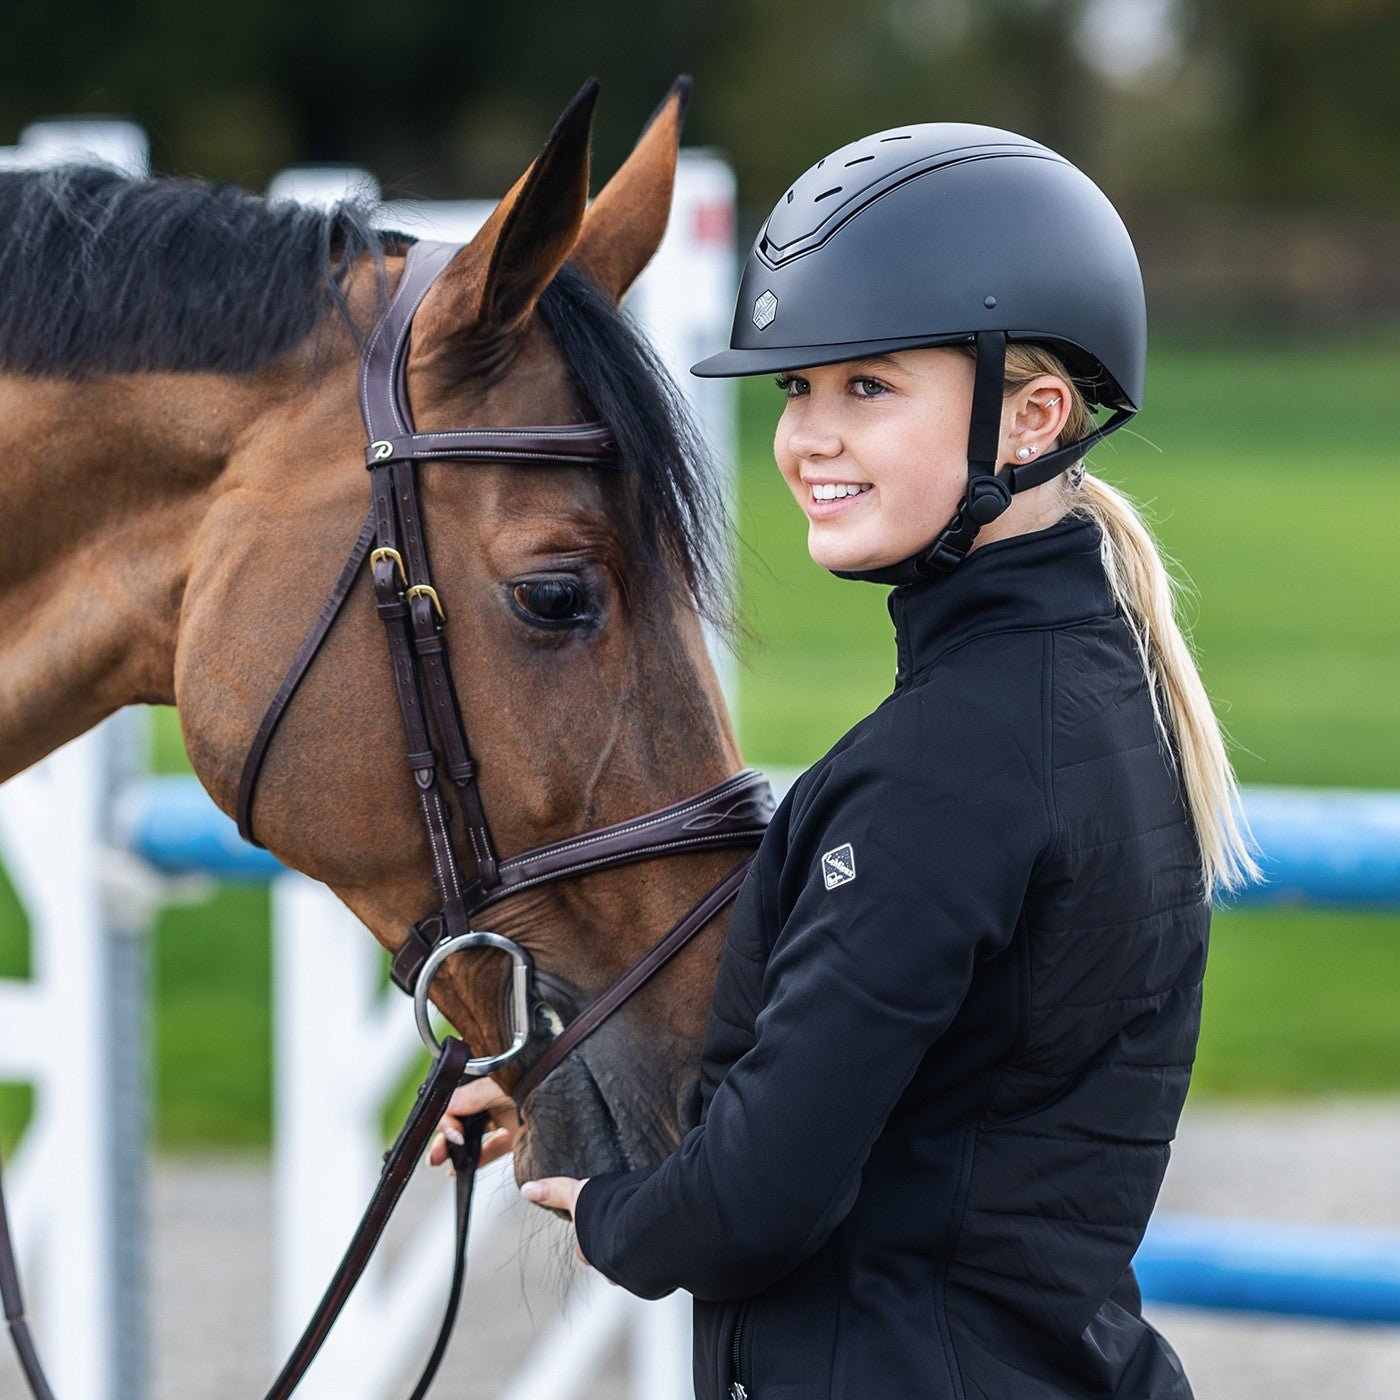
(75, 1030)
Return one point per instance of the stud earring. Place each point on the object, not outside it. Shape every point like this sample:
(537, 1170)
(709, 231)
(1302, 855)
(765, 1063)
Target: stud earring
(1024, 454)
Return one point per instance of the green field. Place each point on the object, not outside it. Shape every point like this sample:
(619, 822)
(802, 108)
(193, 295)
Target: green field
(1270, 477)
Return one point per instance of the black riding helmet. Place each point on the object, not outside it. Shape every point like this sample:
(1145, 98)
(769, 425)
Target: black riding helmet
(943, 234)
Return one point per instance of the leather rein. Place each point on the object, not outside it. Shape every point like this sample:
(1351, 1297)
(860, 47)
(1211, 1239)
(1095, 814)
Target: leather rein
(734, 812)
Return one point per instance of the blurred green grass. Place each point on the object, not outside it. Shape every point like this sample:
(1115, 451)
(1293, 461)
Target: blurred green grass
(1268, 474)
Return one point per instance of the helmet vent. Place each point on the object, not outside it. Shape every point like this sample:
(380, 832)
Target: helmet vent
(858, 161)
(907, 136)
(789, 196)
(826, 194)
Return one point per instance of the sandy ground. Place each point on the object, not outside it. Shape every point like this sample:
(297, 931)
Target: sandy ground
(212, 1263)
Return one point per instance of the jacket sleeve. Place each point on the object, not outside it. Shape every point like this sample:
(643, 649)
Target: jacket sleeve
(865, 974)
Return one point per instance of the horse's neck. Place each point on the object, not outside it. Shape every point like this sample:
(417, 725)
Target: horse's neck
(103, 485)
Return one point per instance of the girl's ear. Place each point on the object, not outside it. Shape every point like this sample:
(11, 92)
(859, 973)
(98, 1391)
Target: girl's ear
(625, 223)
(1034, 417)
(484, 298)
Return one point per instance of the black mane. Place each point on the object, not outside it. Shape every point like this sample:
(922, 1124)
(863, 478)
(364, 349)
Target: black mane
(100, 273)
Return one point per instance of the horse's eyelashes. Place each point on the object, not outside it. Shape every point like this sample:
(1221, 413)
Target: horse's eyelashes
(561, 600)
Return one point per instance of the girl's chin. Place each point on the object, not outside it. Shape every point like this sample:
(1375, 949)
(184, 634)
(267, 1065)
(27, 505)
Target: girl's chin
(852, 556)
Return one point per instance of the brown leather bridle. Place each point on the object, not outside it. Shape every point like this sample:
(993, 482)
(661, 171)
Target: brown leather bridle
(732, 813)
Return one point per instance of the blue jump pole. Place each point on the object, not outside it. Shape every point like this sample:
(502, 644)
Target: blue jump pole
(1325, 846)
(173, 824)
(1318, 847)
(1320, 1271)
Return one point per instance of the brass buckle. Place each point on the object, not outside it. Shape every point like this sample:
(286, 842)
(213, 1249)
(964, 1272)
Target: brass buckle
(426, 590)
(383, 553)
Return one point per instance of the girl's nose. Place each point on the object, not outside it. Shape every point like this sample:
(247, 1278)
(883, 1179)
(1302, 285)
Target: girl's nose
(810, 436)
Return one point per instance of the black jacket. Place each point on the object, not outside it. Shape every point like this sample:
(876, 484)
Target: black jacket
(952, 1030)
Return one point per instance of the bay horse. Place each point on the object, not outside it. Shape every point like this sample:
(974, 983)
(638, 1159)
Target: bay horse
(185, 473)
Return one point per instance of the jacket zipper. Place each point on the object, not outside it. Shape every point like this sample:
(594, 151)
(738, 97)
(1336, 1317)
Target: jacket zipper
(736, 1389)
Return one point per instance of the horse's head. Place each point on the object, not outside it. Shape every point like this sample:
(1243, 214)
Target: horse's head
(574, 633)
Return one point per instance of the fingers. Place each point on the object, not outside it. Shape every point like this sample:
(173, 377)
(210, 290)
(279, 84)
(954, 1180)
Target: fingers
(483, 1095)
(558, 1193)
(496, 1145)
(555, 1192)
(480, 1096)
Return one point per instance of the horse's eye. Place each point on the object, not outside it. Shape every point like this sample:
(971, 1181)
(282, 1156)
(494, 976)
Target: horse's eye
(551, 602)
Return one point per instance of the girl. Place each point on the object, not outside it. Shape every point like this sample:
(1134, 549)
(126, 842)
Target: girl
(958, 1002)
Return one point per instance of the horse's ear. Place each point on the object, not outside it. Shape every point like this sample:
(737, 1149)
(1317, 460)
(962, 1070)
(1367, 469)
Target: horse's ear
(490, 288)
(624, 225)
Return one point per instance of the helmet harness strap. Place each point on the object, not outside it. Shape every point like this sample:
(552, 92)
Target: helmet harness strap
(987, 494)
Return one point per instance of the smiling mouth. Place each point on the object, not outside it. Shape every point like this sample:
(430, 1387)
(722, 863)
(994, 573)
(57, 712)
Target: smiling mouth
(839, 490)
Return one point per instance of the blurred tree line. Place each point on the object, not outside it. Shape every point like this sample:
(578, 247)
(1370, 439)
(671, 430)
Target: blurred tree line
(1253, 99)
(1233, 104)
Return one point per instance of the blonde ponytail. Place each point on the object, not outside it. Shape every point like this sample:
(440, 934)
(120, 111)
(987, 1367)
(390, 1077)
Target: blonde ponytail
(1146, 596)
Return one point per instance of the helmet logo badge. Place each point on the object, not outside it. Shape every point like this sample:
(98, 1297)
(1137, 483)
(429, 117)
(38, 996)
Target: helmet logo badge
(765, 310)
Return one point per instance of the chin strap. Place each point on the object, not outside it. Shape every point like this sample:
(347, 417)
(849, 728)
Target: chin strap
(988, 492)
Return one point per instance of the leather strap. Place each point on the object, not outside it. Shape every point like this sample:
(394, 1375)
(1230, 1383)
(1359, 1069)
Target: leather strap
(427, 620)
(399, 1162)
(732, 813)
(392, 587)
(13, 1298)
(431, 1103)
(383, 365)
(641, 971)
(320, 629)
(465, 1160)
(582, 444)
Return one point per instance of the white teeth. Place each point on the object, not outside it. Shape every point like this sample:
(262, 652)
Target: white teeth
(835, 491)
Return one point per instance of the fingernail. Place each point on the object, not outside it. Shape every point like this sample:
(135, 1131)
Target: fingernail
(454, 1136)
(534, 1191)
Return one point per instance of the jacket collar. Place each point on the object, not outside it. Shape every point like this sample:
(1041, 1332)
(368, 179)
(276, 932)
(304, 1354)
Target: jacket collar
(1045, 579)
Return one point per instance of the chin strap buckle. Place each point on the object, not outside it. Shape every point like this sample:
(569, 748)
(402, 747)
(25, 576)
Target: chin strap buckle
(987, 498)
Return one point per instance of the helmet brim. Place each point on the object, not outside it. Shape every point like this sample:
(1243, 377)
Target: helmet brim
(730, 364)
(734, 363)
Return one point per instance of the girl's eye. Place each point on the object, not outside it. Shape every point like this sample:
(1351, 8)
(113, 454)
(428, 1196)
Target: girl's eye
(866, 388)
(791, 384)
(552, 602)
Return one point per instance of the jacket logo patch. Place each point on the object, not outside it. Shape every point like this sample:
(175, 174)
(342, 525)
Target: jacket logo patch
(839, 866)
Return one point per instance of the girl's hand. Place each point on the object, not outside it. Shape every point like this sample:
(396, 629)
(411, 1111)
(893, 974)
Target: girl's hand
(477, 1096)
(558, 1193)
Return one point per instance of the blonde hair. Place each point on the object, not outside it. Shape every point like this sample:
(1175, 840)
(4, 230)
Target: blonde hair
(1146, 594)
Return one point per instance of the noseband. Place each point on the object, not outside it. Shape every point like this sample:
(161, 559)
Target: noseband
(732, 813)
